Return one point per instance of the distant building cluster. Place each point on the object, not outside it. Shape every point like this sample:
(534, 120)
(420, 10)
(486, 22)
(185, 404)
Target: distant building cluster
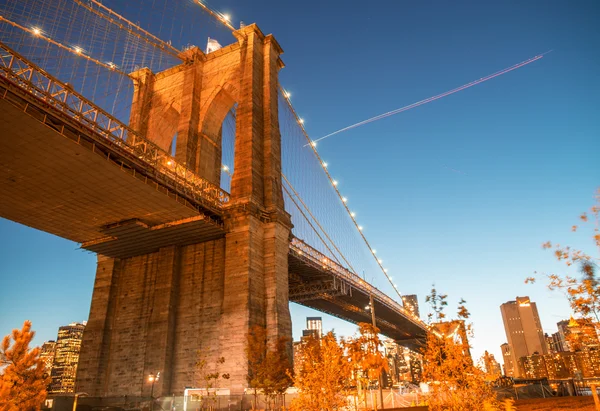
(405, 365)
(572, 352)
(61, 357)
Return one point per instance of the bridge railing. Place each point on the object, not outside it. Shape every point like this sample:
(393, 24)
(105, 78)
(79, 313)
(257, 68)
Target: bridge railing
(37, 82)
(306, 251)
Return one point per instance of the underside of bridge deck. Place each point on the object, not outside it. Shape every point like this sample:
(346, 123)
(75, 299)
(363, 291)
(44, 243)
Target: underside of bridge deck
(318, 287)
(58, 177)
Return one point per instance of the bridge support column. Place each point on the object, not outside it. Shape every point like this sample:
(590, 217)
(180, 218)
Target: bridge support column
(159, 311)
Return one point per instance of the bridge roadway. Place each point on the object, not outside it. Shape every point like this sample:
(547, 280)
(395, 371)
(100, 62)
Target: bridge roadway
(72, 170)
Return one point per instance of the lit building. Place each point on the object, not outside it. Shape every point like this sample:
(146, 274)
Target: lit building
(523, 330)
(558, 343)
(492, 368)
(404, 364)
(563, 330)
(66, 357)
(315, 324)
(411, 303)
(581, 335)
(533, 366)
(509, 365)
(47, 355)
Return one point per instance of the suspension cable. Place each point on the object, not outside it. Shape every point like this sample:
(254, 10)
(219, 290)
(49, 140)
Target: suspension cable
(149, 37)
(75, 51)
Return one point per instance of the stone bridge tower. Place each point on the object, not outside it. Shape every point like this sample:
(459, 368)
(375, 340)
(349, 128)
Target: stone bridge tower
(153, 312)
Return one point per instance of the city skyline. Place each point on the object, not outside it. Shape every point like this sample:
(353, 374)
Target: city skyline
(507, 139)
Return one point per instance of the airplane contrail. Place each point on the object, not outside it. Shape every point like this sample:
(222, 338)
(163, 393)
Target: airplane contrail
(437, 97)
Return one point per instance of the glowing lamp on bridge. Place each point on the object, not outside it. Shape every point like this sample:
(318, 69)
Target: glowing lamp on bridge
(360, 227)
(335, 183)
(344, 199)
(169, 162)
(111, 65)
(301, 121)
(36, 31)
(77, 49)
(385, 270)
(226, 17)
(325, 165)
(374, 251)
(287, 94)
(225, 168)
(352, 214)
(313, 143)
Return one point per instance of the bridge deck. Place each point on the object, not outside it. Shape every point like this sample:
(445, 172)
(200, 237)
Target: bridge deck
(63, 173)
(319, 283)
(60, 178)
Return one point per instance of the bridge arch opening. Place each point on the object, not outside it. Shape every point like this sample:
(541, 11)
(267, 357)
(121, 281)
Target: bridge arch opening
(218, 128)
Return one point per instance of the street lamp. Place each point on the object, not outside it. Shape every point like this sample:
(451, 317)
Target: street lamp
(371, 307)
(152, 379)
(77, 395)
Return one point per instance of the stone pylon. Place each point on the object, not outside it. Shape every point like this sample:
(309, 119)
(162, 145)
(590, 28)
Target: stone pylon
(156, 312)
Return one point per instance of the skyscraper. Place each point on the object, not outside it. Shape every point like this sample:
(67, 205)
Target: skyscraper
(523, 330)
(411, 303)
(315, 325)
(66, 357)
(509, 366)
(47, 355)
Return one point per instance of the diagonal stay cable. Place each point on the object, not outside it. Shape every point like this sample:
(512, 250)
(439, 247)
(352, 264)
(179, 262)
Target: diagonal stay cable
(319, 224)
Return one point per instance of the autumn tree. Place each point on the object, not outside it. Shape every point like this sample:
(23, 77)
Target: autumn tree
(210, 376)
(455, 383)
(23, 380)
(269, 368)
(322, 375)
(583, 291)
(367, 362)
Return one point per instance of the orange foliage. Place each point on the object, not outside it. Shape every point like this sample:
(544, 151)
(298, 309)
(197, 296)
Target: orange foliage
(582, 293)
(455, 383)
(322, 376)
(23, 382)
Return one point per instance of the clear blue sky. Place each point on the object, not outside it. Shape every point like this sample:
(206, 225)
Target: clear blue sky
(526, 145)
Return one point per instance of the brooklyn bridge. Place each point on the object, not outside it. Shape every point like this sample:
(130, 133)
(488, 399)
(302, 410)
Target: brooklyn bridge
(190, 175)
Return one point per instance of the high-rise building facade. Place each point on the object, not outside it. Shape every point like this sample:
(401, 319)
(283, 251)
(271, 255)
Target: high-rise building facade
(47, 352)
(492, 368)
(509, 366)
(66, 358)
(523, 330)
(411, 303)
(315, 324)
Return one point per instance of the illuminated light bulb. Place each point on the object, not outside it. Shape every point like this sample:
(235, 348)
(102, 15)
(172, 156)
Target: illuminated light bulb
(287, 94)
(344, 199)
(36, 31)
(385, 270)
(325, 165)
(301, 121)
(77, 49)
(374, 251)
(380, 261)
(360, 227)
(169, 162)
(226, 17)
(335, 183)
(225, 168)
(313, 143)
(353, 214)
(111, 65)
